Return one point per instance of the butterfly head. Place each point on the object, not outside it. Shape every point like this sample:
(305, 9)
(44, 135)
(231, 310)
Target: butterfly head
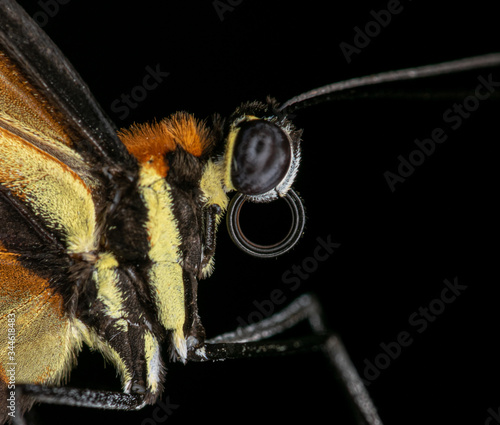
(262, 152)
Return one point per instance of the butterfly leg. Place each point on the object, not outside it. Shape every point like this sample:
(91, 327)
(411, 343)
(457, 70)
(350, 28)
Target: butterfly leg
(210, 225)
(109, 400)
(251, 341)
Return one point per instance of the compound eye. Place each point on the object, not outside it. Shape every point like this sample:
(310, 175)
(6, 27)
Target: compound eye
(261, 157)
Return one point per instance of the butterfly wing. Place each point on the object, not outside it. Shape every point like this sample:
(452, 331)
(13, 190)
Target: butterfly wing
(60, 159)
(61, 105)
(48, 214)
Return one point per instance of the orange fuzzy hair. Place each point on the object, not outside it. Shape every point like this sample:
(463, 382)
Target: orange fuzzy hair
(149, 143)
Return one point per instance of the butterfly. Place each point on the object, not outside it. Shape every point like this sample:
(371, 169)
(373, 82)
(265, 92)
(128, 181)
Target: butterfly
(108, 232)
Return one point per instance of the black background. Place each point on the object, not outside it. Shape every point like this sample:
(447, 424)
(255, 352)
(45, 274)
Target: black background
(396, 248)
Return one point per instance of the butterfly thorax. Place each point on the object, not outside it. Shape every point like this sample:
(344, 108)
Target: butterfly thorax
(176, 182)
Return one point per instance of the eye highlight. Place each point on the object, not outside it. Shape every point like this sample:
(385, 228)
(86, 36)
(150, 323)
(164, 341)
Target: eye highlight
(261, 157)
